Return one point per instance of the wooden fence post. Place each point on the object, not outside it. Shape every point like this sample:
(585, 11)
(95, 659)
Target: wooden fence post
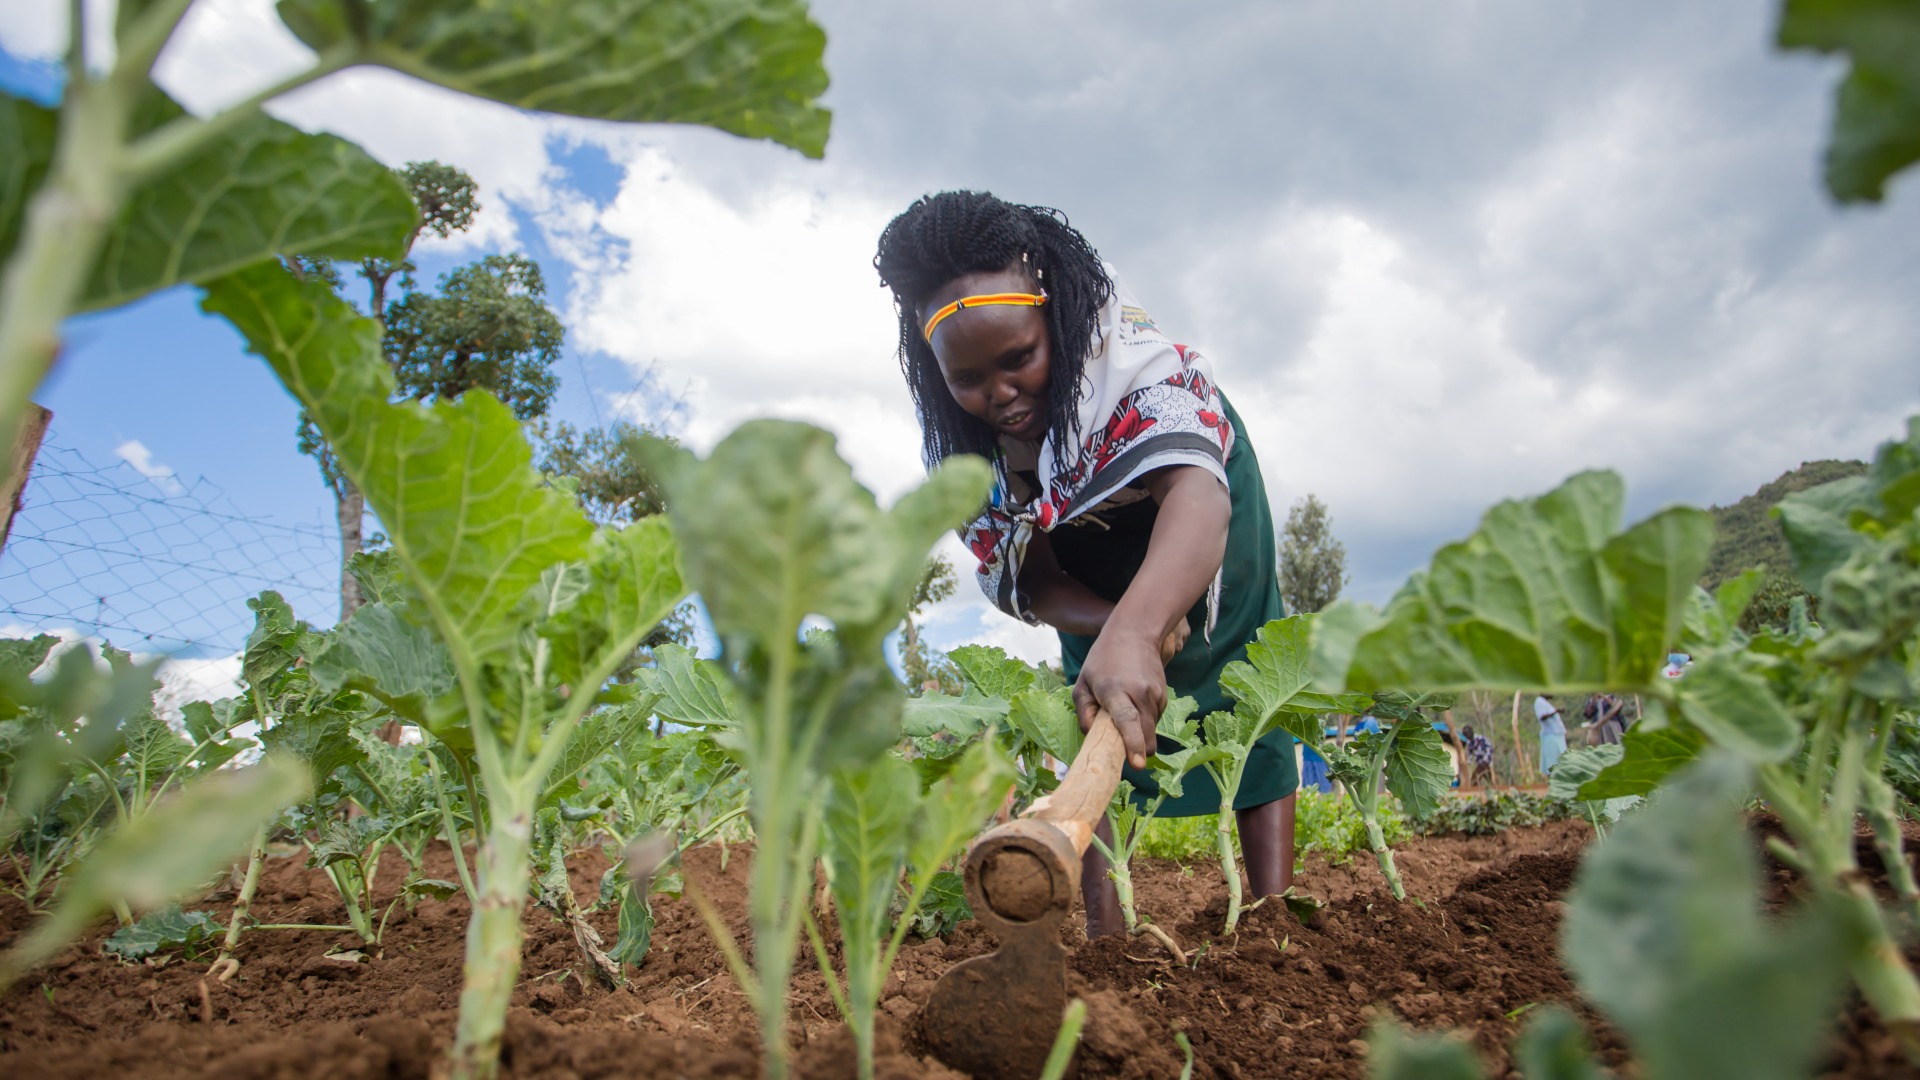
(1520, 748)
(20, 464)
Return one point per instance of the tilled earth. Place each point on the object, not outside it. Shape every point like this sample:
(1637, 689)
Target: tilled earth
(1473, 946)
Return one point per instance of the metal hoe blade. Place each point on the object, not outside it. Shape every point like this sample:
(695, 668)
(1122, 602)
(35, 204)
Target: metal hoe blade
(997, 1015)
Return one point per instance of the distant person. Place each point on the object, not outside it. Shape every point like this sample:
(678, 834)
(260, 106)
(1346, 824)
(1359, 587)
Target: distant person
(1313, 772)
(1604, 722)
(1479, 757)
(1553, 731)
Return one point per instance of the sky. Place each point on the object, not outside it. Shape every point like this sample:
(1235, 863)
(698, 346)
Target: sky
(1441, 253)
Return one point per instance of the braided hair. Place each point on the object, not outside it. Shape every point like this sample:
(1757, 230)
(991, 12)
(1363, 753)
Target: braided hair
(955, 233)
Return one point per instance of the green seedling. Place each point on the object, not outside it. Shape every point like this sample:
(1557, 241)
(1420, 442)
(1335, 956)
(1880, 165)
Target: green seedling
(1065, 1043)
(1405, 757)
(776, 534)
(878, 824)
(1808, 712)
(1272, 690)
(513, 613)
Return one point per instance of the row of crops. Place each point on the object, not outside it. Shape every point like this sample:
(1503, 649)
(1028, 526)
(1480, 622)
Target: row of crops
(533, 748)
(502, 625)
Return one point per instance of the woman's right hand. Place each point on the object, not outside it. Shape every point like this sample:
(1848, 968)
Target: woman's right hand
(1124, 675)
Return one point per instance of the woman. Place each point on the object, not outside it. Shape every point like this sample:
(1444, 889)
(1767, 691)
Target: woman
(1128, 510)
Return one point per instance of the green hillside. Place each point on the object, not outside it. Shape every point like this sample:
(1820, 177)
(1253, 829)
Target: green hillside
(1747, 536)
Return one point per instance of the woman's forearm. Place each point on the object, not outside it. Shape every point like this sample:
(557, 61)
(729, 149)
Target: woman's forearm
(1183, 555)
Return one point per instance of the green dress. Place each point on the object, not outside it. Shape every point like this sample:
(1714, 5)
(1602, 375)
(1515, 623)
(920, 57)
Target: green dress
(1106, 559)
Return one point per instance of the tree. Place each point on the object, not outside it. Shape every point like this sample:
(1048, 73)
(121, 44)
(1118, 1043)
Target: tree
(918, 661)
(1313, 565)
(598, 466)
(489, 327)
(609, 482)
(1747, 536)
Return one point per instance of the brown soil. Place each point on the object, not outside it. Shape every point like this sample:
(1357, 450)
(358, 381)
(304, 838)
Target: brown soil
(1277, 999)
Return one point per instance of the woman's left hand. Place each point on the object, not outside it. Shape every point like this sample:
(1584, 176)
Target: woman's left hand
(1124, 674)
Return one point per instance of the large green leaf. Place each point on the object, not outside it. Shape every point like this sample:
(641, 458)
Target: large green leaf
(958, 806)
(263, 188)
(691, 691)
(1394, 1053)
(1579, 765)
(753, 69)
(1734, 709)
(153, 748)
(1271, 687)
(323, 740)
(868, 826)
(1554, 1047)
(453, 483)
(1815, 521)
(1664, 932)
(1046, 717)
(1876, 123)
(169, 927)
(775, 529)
(1648, 755)
(19, 657)
(27, 134)
(1419, 770)
(630, 582)
(593, 738)
(377, 650)
(273, 645)
(990, 670)
(962, 717)
(1545, 595)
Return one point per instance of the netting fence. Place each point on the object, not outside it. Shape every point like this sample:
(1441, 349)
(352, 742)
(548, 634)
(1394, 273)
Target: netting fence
(153, 564)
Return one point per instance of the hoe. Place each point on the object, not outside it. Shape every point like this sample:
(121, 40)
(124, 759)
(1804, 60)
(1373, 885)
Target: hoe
(996, 1015)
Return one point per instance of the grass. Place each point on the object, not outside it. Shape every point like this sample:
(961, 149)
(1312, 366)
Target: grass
(1324, 823)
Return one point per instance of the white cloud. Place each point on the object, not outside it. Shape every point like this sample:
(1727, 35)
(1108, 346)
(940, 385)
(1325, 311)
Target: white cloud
(1435, 269)
(761, 306)
(135, 453)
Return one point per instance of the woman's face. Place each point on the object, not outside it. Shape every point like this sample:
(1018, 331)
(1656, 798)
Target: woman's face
(995, 359)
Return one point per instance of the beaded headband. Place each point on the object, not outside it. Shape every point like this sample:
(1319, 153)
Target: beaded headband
(1016, 299)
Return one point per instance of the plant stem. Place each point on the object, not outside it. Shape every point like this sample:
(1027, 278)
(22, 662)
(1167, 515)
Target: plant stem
(1068, 1040)
(66, 224)
(1229, 866)
(1377, 842)
(1878, 967)
(452, 829)
(494, 941)
(243, 904)
(1878, 805)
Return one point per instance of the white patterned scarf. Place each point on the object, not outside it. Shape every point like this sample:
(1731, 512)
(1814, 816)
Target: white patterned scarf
(1147, 403)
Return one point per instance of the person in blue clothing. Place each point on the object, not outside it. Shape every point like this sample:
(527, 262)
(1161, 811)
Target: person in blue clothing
(1313, 771)
(1553, 731)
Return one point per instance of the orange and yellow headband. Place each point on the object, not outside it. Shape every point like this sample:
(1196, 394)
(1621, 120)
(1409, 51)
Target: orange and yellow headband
(1016, 299)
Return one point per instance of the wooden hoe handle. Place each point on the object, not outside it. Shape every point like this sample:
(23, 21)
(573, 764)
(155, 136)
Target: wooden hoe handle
(1029, 868)
(1076, 805)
